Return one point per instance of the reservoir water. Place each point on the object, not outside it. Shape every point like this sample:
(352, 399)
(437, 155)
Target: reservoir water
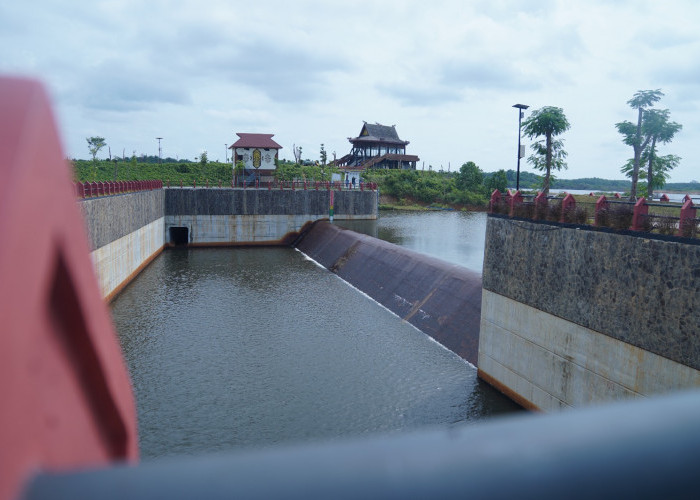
(236, 348)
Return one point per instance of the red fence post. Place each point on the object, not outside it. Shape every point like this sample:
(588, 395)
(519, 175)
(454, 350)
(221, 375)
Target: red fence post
(641, 210)
(541, 205)
(513, 199)
(495, 200)
(687, 219)
(567, 204)
(600, 206)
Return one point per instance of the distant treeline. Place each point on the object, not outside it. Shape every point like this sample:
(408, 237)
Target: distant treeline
(529, 180)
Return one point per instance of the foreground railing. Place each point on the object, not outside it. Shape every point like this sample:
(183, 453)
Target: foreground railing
(662, 218)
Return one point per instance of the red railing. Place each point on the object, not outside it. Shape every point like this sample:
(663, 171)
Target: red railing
(93, 189)
(615, 213)
(294, 185)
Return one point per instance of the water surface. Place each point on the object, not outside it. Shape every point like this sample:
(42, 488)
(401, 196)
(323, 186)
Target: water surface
(453, 236)
(237, 348)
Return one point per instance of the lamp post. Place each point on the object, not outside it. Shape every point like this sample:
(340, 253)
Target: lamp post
(159, 150)
(520, 107)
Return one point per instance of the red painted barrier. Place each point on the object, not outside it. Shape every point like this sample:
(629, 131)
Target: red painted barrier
(641, 211)
(65, 391)
(568, 204)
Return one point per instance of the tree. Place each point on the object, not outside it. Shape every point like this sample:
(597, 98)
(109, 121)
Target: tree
(538, 160)
(549, 122)
(498, 180)
(203, 158)
(470, 177)
(641, 100)
(661, 166)
(324, 155)
(94, 145)
(657, 127)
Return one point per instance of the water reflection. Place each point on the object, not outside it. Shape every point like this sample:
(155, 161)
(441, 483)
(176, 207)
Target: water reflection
(231, 348)
(453, 236)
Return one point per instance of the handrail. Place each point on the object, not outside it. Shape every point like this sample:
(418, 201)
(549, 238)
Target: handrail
(109, 188)
(634, 218)
(646, 448)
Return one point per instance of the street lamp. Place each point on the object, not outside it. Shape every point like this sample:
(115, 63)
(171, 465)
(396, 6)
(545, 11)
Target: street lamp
(159, 150)
(520, 107)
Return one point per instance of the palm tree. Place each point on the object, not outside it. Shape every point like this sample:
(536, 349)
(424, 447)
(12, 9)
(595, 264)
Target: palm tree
(657, 128)
(549, 122)
(640, 101)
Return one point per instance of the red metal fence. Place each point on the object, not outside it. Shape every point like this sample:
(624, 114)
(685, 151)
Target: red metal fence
(92, 189)
(662, 218)
(290, 185)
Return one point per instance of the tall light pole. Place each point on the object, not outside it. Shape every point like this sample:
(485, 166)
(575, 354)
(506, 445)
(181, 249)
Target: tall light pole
(520, 107)
(159, 150)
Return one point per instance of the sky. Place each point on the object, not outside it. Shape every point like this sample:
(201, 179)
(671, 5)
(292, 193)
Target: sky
(446, 73)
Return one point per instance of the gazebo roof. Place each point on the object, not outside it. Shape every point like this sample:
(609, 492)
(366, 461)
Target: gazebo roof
(255, 141)
(378, 133)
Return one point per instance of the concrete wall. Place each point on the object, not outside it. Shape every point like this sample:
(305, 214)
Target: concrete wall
(127, 231)
(573, 316)
(442, 300)
(258, 216)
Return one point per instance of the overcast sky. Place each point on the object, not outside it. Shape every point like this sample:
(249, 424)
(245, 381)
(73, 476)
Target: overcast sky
(446, 73)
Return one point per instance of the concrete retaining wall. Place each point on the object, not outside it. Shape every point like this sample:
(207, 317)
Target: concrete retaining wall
(127, 231)
(572, 316)
(258, 216)
(443, 300)
(109, 218)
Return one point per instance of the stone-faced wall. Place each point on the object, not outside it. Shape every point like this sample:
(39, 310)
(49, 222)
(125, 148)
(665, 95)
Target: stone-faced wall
(109, 218)
(577, 283)
(645, 292)
(347, 204)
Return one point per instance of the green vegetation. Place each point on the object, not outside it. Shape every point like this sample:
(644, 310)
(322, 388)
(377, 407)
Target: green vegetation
(549, 153)
(134, 170)
(469, 187)
(652, 127)
(186, 171)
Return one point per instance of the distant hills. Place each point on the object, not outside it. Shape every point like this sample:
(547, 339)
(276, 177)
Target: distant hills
(529, 180)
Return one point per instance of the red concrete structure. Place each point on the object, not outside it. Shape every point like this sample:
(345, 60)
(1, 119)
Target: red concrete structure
(65, 391)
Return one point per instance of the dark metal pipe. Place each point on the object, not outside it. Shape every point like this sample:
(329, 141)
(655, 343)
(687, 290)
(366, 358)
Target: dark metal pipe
(638, 449)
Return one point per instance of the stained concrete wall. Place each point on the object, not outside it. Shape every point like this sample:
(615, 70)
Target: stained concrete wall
(572, 316)
(109, 218)
(443, 300)
(353, 204)
(258, 216)
(127, 231)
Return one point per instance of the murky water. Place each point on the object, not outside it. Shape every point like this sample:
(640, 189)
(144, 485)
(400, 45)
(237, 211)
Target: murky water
(236, 348)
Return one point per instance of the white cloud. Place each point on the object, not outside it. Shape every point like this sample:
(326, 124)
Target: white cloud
(445, 72)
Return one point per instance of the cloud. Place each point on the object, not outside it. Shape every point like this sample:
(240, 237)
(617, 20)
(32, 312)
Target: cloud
(116, 86)
(284, 73)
